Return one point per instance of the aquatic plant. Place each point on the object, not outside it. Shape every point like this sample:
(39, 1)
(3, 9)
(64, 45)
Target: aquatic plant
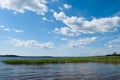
(102, 59)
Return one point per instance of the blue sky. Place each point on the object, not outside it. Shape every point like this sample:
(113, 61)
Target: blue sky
(59, 27)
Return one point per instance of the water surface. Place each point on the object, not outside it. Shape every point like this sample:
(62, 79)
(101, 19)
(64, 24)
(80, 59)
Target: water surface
(68, 71)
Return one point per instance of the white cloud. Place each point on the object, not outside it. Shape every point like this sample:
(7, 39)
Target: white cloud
(64, 39)
(2, 27)
(7, 29)
(66, 31)
(60, 16)
(52, 10)
(37, 6)
(110, 46)
(82, 25)
(81, 42)
(32, 43)
(66, 6)
(117, 40)
(60, 8)
(18, 31)
(44, 19)
(115, 43)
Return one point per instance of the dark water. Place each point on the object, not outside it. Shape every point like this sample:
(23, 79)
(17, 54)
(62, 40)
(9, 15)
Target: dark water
(68, 71)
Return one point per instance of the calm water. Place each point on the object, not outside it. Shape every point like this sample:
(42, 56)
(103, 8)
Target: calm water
(68, 71)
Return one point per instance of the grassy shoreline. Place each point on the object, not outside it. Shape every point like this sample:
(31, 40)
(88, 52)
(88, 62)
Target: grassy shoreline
(102, 59)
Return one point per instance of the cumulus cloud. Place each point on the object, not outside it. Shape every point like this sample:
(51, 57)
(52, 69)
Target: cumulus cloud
(66, 31)
(37, 6)
(66, 6)
(80, 25)
(2, 27)
(81, 42)
(32, 43)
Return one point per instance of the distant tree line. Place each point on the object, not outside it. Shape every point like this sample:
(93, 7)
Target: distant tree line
(113, 54)
(9, 56)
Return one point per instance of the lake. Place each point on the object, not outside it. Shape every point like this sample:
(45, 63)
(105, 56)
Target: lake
(67, 71)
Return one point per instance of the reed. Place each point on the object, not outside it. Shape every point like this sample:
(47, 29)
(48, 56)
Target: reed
(102, 59)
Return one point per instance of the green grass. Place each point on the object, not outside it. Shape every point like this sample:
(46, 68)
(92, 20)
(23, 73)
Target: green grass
(102, 59)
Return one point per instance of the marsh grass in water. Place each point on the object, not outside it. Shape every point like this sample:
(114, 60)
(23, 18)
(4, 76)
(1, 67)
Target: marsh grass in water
(102, 59)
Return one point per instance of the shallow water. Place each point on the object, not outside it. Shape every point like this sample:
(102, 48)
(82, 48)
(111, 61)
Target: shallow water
(68, 71)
